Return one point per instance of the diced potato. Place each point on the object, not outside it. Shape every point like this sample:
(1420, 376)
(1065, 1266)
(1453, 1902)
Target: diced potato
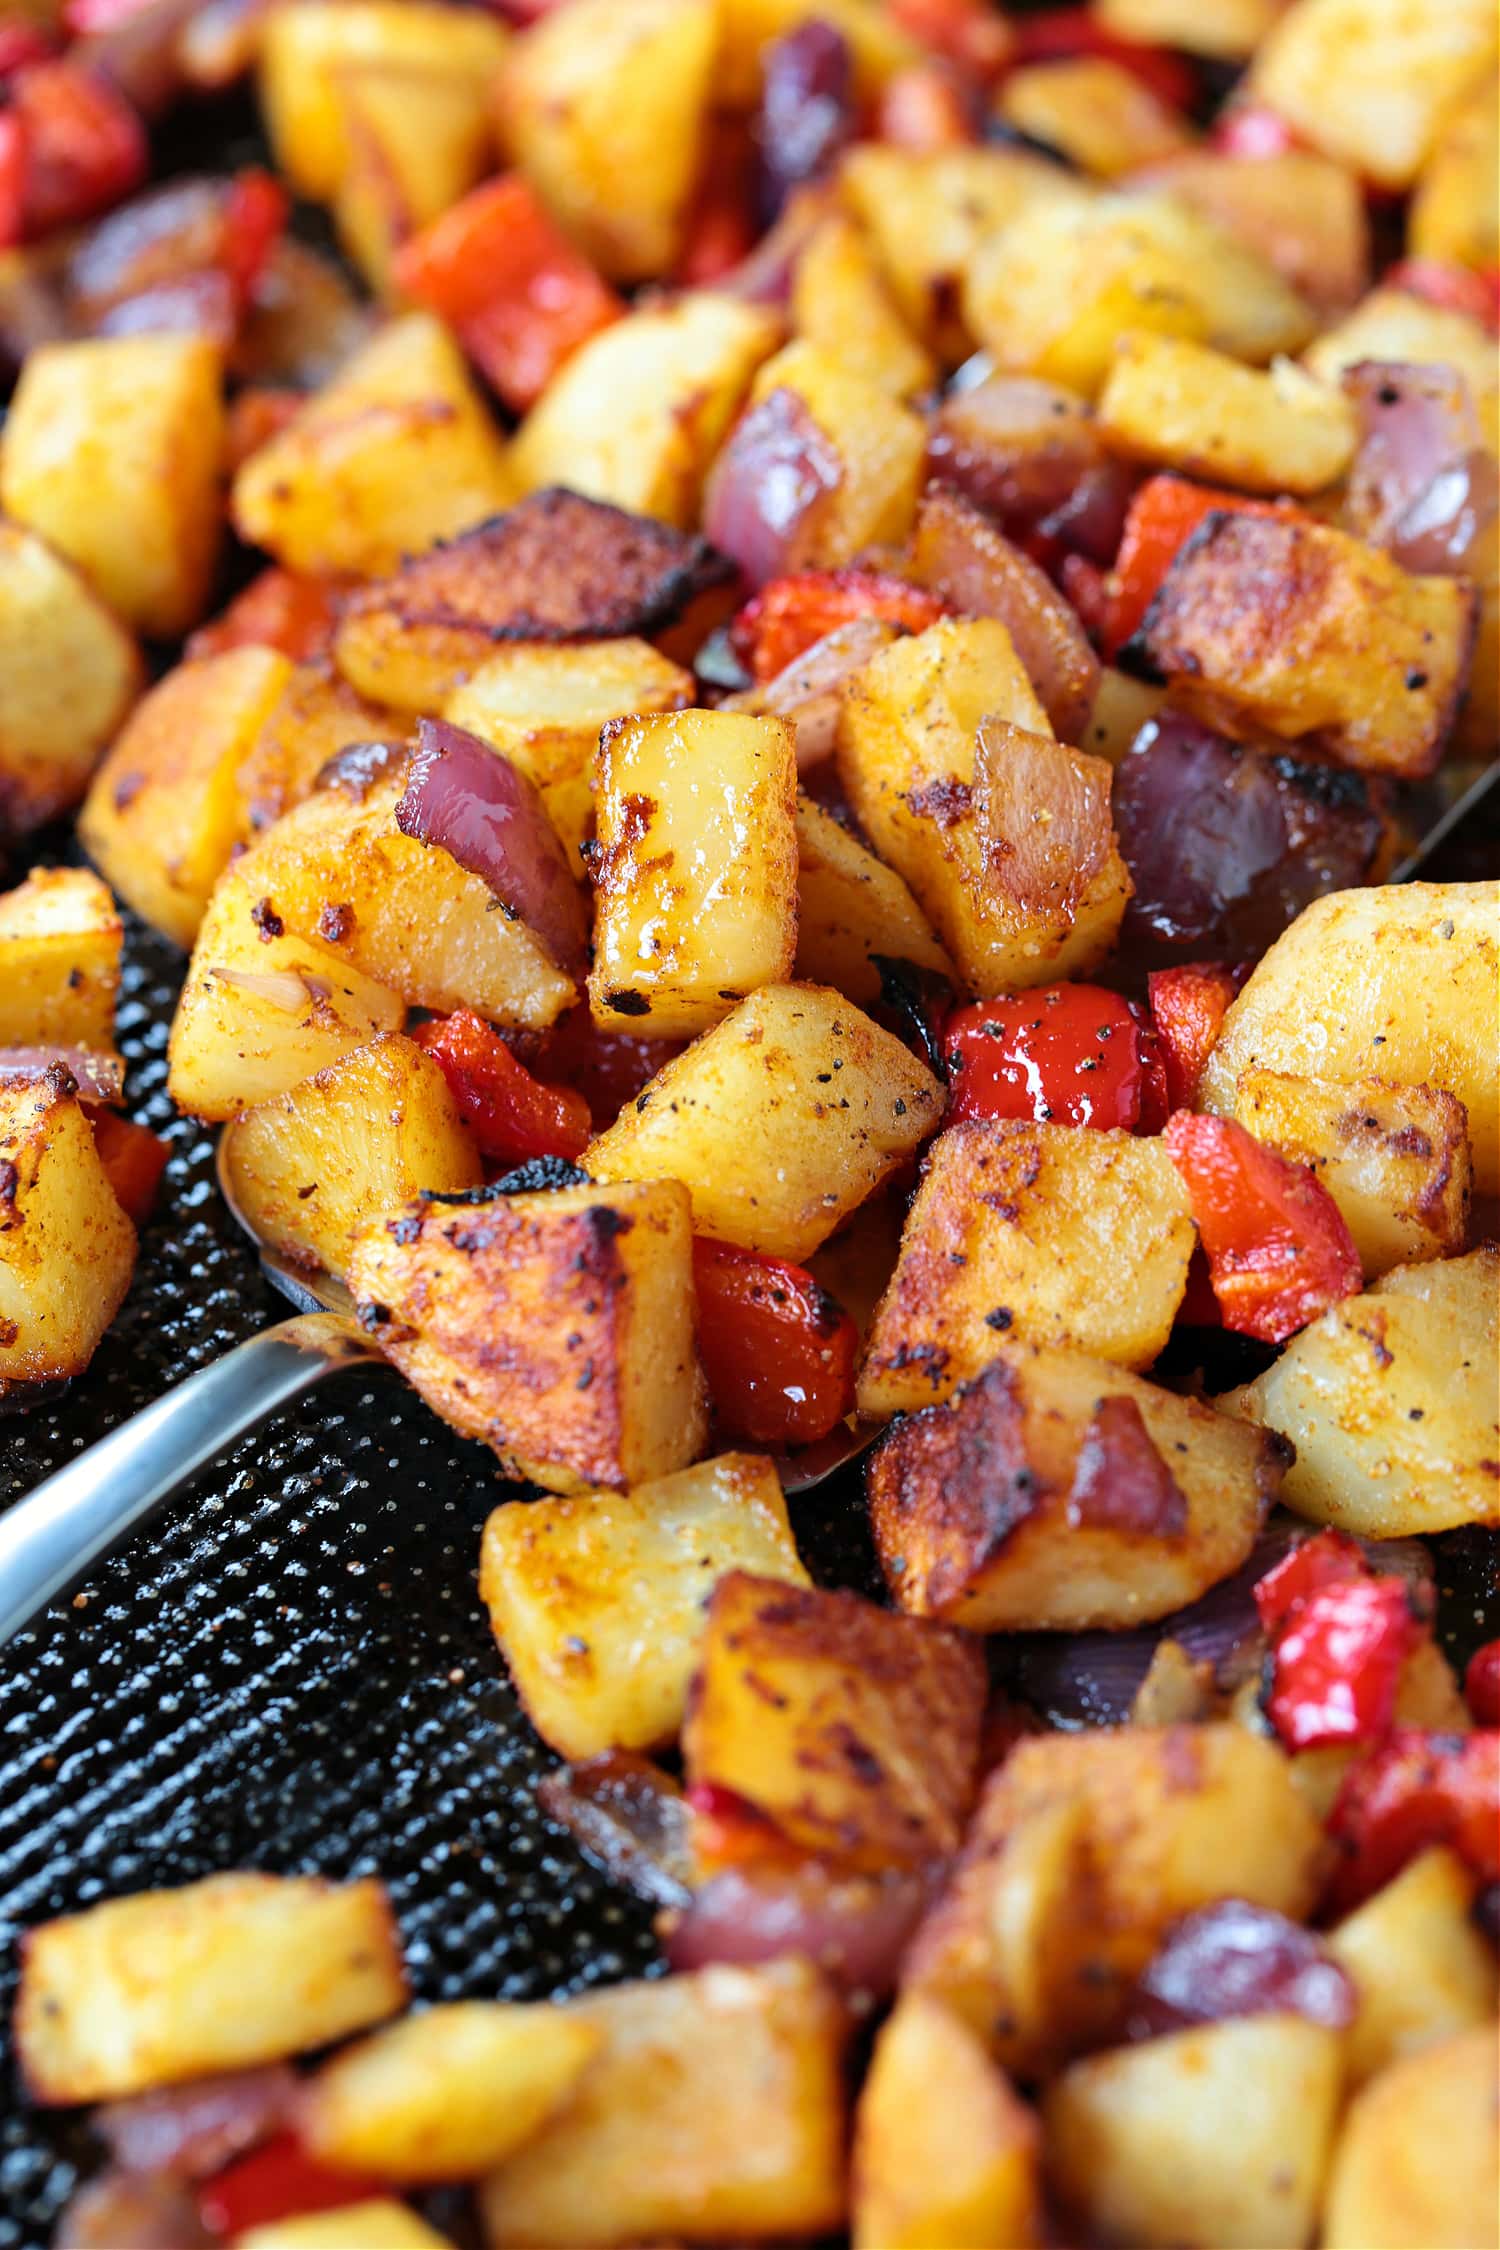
(151, 1990)
(1050, 1234)
(945, 2151)
(67, 1250)
(379, 2224)
(1417, 2160)
(317, 715)
(1056, 1492)
(1371, 81)
(1397, 325)
(1422, 1970)
(881, 446)
(695, 869)
(855, 1733)
(714, 2113)
(1185, 407)
(1228, 29)
(111, 451)
(447, 2094)
(1395, 1159)
(1219, 2135)
(604, 110)
(555, 1327)
(841, 305)
(598, 1602)
(851, 907)
(780, 1121)
(397, 451)
(360, 1137)
(60, 943)
(164, 812)
(1100, 115)
(877, 43)
(69, 672)
(1454, 213)
(1389, 1399)
(258, 1012)
(1122, 706)
(1398, 983)
(417, 139)
(1301, 212)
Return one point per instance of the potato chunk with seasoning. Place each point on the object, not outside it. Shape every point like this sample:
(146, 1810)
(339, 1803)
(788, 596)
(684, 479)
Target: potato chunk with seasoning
(67, 1250)
(1422, 1970)
(60, 945)
(69, 672)
(1419, 2153)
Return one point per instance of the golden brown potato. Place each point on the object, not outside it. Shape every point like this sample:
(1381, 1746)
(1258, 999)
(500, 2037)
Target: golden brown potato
(853, 1732)
(1057, 1492)
(880, 445)
(1229, 29)
(112, 453)
(67, 1250)
(1417, 2159)
(379, 2224)
(1051, 1234)
(69, 672)
(1420, 1966)
(164, 812)
(840, 304)
(715, 2113)
(1395, 324)
(60, 944)
(317, 715)
(598, 1601)
(417, 141)
(1453, 214)
(780, 1121)
(1182, 406)
(94, 2022)
(1101, 116)
(556, 1327)
(852, 908)
(1301, 212)
(1121, 708)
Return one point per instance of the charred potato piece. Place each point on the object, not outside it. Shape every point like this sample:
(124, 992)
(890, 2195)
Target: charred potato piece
(67, 1250)
(316, 716)
(69, 672)
(60, 944)
(1420, 1966)
(555, 1327)
(852, 908)
(840, 304)
(1417, 2159)
(1185, 407)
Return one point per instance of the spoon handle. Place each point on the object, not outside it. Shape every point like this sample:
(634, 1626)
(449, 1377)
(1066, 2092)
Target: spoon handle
(50, 1538)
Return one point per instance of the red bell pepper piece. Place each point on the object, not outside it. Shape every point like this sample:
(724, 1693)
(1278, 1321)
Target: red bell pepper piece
(512, 1115)
(605, 1067)
(1069, 1054)
(1338, 1663)
(1482, 1684)
(503, 275)
(778, 1351)
(968, 33)
(133, 1158)
(12, 180)
(1060, 33)
(785, 618)
(1188, 1007)
(1460, 288)
(254, 218)
(729, 1831)
(1163, 517)
(277, 610)
(278, 2180)
(1252, 129)
(1279, 1251)
(1415, 1790)
(1332, 1558)
(84, 147)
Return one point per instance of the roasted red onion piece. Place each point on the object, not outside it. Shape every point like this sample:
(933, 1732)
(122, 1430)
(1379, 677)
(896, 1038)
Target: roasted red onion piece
(1030, 455)
(631, 1818)
(120, 2212)
(140, 53)
(303, 323)
(1042, 812)
(473, 803)
(154, 239)
(1423, 483)
(100, 1077)
(807, 110)
(808, 691)
(1235, 1959)
(768, 487)
(856, 1928)
(765, 277)
(1439, 535)
(187, 2132)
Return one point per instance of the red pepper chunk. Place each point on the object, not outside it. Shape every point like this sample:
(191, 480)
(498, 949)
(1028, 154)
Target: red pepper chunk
(1066, 1054)
(12, 180)
(1417, 1789)
(1332, 1558)
(1188, 1007)
(730, 1831)
(1163, 517)
(83, 147)
(1338, 1663)
(512, 1115)
(778, 1351)
(133, 1158)
(278, 2180)
(1279, 1251)
(787, 616)
(277, 610)
(254, 218)
(1482, 1684)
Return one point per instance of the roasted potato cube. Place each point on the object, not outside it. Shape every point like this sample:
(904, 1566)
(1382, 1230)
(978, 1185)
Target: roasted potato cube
(695, 869)
(555, 1327)
(359, 1137)
(1100, 115)
(638, 412)
(317, 715)
(1185, 407)
(1397, 983)
(1396, 325)
(69, 672)
(164, 812)
(1220, 2134)
(447, 2094)
(1228, 29)
(60, 943)
(1454, 214)
(395, 452)
(258, 1012)
(1051, 1234)
(880, 443)
(1057, 1492)
(1389, 1399)
(945, 2150)
(598, 1601)
(841, 305)
(1395, 1159)
(1299, 630)
(1416, 2162)
(714, 2113)
(1422, 1970)
(1301, 212)
(877, 43)
(852, 908)
(151, 1990)
(379, 2224)
(67, 1250)
(780, 1121)
(417, 139)
(855, 1733)
(111, 452)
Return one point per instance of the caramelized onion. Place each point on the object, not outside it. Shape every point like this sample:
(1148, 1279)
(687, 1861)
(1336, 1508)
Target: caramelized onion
(765, 277)
(631, 1818)
(1017, 446)
(807, 111)
(809, 690)
(769, 485)
(119, 2211)
(1234, 1959)
(1423, 483)
(1042, 812)
(186, 2132)
(856, 1928)
(99, 1076)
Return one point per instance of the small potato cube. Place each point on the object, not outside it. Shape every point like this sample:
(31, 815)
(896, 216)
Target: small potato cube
(359, 1137)
(60, 942)
(417, 141)
(112, 452)
(164, 812)
(555, 1327)
(1054, 1234)
(446, 2094)
(880, 443)
(316, 716)
(598, 1601)
(1300, 212)
(851, 907)
(1421, 1968)
(855, 1733)
(1419, 2153)
(1454, 215)
(1100, 115)
(1218, 2135)
(69, 672)
(151, 1990)
(780, 1121)
(695, 870)
(841, 305)
(380, 2224)
(397, 451)
(1185, 407)
(1395, 1159)
(714, 2113)
(945, 2151)
(1228, 29)
(1397, 325)
(67, 1250)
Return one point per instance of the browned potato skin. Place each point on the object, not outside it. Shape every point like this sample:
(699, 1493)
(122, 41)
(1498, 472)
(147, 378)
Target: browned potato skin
(554, 1327)
(855, 1732)
(60, 944)
(67, 1250)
